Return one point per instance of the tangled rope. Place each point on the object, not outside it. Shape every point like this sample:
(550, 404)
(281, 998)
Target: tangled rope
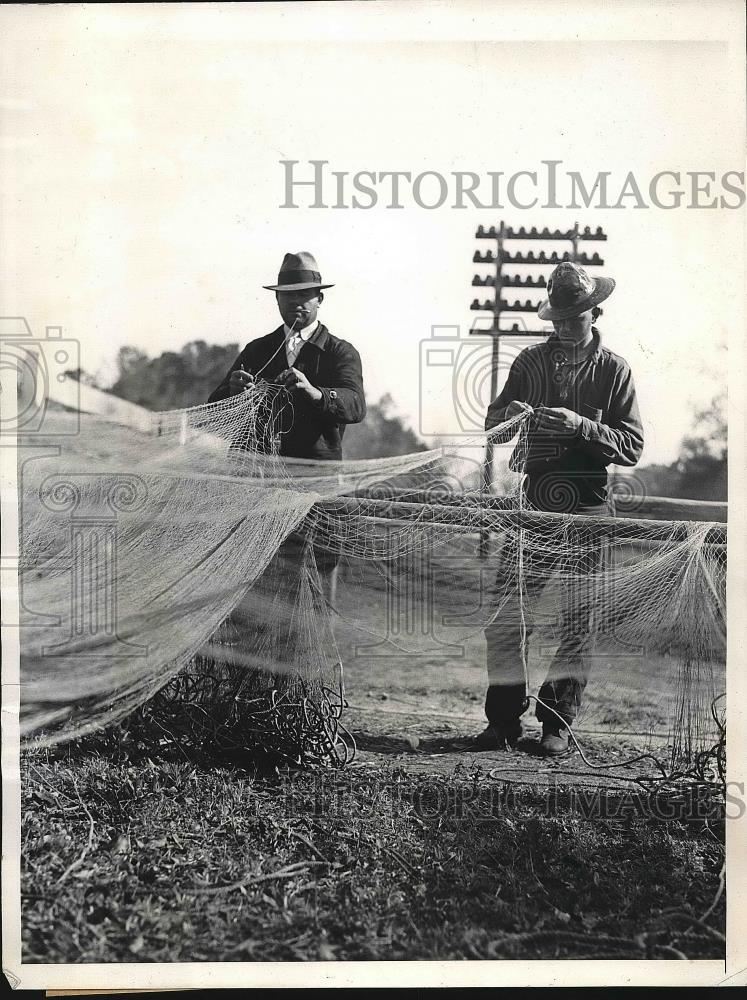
(214, 709)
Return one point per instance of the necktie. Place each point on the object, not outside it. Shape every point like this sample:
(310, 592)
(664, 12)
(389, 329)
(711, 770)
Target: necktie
(294, 347)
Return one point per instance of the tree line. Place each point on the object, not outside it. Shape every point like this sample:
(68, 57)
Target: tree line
(186, 378)
(700, 472)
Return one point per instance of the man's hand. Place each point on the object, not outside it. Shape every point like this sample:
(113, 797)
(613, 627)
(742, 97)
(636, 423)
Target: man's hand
(515, 407)
(239, 381)
(557, 420)
(296, 381)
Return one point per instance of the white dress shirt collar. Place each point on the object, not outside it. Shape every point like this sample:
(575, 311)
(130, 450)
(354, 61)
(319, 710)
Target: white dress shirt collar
(305, 334)
(295, 341)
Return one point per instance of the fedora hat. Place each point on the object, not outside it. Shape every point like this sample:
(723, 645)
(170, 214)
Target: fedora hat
(297, 272)
(571, 291)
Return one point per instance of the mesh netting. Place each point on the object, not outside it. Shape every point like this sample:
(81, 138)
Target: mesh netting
(196, 576)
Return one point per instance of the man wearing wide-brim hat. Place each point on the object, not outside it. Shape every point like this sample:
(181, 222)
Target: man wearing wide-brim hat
(321, 372)
(580, 401)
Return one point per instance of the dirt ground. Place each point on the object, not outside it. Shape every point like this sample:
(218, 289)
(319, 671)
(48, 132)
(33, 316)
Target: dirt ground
(415, 684)
(391, 738)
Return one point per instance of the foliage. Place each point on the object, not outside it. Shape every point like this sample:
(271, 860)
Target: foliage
(173, 380)
(702, 465)
(82, 376)
(143, 859)
(700, 472)
(381, 434)
(186, 378)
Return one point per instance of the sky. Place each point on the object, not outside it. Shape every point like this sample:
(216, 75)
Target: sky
(142, 177)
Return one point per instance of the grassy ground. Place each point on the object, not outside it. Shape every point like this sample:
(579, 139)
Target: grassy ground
(152, 860)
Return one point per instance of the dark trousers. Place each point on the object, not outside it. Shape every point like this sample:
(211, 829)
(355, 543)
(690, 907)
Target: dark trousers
(272, 619)
(291, 554)
(522, 577)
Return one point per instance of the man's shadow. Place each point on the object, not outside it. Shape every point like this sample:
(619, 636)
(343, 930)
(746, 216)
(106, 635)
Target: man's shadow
(436, 745)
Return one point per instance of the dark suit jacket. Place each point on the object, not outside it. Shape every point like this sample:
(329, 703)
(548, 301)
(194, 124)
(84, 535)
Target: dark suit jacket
(308, 429)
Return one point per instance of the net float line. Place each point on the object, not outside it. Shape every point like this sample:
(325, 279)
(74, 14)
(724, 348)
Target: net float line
(486, 517)
(632, 507)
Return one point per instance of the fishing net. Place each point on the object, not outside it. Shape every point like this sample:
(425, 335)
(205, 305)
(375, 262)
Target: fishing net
(192, 579)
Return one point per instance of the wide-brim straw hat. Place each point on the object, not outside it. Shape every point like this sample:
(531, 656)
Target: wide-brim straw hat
(299, 271)
(571, 291)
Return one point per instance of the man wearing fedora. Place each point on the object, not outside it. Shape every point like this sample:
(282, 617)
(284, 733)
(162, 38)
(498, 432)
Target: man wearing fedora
(322, 372)
(580, 401)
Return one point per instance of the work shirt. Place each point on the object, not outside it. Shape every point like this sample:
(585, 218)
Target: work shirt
(568, 471)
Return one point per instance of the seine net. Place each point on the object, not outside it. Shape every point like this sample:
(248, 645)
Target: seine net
(194, 580)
